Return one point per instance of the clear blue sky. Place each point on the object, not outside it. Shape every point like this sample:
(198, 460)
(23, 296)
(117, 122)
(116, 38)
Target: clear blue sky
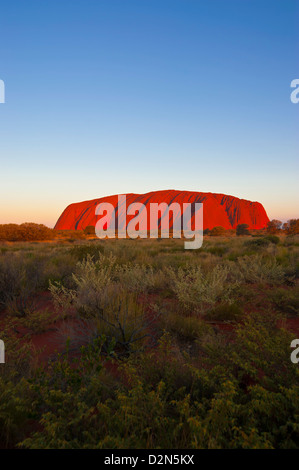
(114, 96)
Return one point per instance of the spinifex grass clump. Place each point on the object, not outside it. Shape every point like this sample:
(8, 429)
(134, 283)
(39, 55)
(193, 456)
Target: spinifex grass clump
(81, 252)
(182, 326)
(19, 280)
(286, 300)
(225, 311)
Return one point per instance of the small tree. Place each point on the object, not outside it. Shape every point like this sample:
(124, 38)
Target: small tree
(30, 231)
(25, 232)
(274, 226)
(242, 229)
(292, 227)
(217, 231)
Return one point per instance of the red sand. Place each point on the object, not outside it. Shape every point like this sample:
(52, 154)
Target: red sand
(48, 343)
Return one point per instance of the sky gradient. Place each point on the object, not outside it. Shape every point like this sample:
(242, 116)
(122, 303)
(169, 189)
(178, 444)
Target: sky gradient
(116, 96)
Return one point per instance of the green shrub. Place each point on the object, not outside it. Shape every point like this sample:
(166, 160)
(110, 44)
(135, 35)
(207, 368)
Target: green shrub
(259, 269)
(19, 280)
(201, 386)
(183, 327)
(217, 231)
(225, 312)
(37, 320)
(286, 300)
(136, 278)
(196, 290)
(273, 239)
(241, 398)
(91, 279)
(68, 397)
(59, 267)
(14, 407)
(257, 243)
(115, 312)
(242, 229)
(218, 250)
(81, 252)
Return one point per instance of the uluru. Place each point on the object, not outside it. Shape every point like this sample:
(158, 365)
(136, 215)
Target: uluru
(218, 209)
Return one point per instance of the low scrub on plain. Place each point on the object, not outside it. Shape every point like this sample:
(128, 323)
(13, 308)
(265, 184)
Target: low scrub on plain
(159, 347)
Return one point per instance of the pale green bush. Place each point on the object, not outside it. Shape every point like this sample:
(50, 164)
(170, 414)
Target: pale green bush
(98, 298)
(136, 278)
(196, 290)
(91, 280)
(259, 269)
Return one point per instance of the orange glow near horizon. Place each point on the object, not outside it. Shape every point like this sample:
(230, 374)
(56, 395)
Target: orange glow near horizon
(50, 217)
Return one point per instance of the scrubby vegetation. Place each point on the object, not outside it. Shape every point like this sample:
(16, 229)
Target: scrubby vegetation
(139, 344)
(25, 232)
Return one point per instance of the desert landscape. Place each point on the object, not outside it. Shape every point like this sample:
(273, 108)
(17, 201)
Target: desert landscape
(149, 232)
(141, 344)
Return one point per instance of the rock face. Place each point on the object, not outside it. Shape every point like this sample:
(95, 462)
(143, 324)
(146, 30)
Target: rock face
(218, 209)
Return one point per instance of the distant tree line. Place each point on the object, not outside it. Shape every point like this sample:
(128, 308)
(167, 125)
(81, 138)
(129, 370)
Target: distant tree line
(38, 232)
(291, 227)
